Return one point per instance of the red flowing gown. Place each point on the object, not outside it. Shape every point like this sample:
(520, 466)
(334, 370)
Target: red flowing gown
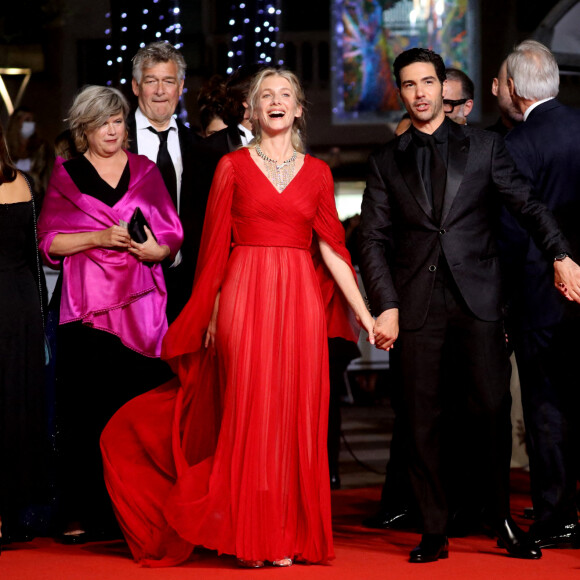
(231, 455)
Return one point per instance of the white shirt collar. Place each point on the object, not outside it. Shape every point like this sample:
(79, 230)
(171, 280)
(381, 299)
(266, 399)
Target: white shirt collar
(142, 122)
(534, 105)
(247, 135)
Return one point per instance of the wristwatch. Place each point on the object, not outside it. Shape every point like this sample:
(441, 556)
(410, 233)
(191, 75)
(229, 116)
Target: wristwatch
(560, 257)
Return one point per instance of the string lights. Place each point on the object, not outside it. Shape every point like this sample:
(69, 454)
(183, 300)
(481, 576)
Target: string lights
(131, 25)
(255, 26)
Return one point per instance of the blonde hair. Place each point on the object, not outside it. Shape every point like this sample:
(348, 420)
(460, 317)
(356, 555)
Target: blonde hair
(299, 126)
(91, 109)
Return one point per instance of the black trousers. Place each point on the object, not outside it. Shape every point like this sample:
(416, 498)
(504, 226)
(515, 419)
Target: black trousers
(179, 284)
(547, 364)
(397, 494)
(452, 331)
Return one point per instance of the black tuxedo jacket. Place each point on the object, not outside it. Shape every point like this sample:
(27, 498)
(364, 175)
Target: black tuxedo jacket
(401, 242)
(206, 155)
(211, 150)
(224, 141)
(546, 149)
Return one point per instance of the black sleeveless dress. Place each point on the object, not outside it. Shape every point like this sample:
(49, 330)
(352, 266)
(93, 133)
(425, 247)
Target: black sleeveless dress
(23, 417)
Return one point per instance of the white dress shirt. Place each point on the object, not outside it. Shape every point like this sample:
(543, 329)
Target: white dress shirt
(148, 145)
(245, 134)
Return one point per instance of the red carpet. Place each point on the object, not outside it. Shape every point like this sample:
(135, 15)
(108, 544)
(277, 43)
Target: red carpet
(360, 554)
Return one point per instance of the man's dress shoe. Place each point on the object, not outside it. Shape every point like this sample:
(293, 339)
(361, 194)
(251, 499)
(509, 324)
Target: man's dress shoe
(431, 548)
(72, 539)
(386, 519)
(515, 541)
(555, 535)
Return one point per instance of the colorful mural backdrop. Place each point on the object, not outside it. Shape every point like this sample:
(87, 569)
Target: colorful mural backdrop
(369, 34)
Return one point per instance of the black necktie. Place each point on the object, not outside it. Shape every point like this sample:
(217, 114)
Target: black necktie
(435, 177)
(165, 164)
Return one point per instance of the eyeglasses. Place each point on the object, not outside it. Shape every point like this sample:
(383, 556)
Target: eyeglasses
(450, 104)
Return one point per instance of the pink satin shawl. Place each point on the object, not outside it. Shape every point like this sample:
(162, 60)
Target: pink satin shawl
(105, 288)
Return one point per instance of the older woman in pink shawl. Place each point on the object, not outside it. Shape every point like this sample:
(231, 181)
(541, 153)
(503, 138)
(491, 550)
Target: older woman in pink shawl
(112, 312)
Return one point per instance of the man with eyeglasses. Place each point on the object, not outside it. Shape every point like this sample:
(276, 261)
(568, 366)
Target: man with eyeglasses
(458, 101)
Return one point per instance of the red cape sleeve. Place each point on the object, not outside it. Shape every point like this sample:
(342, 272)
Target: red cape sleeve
(186, 334)
(339, 317)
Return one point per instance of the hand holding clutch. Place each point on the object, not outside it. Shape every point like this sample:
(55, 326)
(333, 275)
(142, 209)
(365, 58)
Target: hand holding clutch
(137, 225)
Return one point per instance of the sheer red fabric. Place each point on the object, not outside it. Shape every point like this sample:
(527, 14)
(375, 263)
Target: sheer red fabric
(231, 455)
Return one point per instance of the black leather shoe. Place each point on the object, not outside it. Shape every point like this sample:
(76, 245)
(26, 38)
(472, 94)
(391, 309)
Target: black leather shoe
(515, 541)
(431, 548)
(555, 536)
(72, 539)
(387, 519)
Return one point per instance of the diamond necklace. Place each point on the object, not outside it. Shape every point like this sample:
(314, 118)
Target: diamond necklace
(280, 174)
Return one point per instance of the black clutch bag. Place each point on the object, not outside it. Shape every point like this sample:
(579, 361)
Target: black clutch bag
(137, 225)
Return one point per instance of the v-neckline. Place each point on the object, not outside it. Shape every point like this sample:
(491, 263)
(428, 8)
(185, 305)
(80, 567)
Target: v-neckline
(266, 177)
(96, 173)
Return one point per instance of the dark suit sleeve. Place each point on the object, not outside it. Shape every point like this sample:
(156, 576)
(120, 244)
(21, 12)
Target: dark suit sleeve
(375, 241)
(518, 198)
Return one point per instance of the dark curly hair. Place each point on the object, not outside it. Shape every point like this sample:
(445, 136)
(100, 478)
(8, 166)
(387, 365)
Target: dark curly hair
(419, 55)
(211, 100)
(237, 87)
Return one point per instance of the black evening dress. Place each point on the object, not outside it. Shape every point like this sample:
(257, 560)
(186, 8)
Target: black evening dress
(24, 442)
(96, 375)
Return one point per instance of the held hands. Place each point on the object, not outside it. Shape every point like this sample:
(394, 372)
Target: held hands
(386, 329)
(567, 279)
(368, 323)
(149, 251)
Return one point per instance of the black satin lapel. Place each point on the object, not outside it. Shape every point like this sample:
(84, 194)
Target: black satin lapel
(132, 130)
(458, 151)
(407, 164)
(184, 143)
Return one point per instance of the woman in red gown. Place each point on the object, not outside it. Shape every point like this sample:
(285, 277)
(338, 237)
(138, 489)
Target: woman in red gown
(231, 455)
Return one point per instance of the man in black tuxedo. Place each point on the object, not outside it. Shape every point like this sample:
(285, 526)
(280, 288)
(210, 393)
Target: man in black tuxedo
(544, 328)
(430, 267)
(158, 77)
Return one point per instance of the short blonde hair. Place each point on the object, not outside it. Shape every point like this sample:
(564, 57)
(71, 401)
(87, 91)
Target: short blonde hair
(299, 126)
(91, 109)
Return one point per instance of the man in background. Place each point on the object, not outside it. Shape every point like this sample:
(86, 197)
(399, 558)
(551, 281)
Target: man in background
(544, 328)
(459, 93)
(509, 115)
(158, 77)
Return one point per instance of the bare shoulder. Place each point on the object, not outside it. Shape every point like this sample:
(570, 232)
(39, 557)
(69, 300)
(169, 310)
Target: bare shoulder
(16, 191)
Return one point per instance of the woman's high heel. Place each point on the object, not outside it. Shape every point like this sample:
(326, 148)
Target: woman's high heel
(250, 563)
(282, 562)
